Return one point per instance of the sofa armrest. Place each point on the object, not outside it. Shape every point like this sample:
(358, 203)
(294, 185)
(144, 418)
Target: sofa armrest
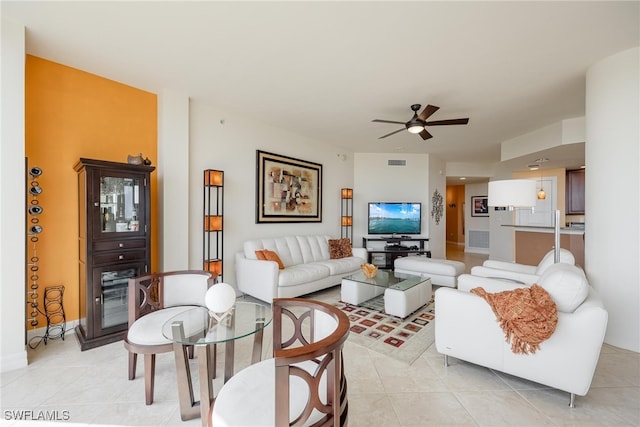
(510, 266)
(360, 253)
(257, 278)
(466, 282)
(495, 273)
(466, 328)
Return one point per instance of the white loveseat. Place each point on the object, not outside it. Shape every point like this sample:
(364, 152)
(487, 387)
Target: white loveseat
(467, 329)
(308, 267)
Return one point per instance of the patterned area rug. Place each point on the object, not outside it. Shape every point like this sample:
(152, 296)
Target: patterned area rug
(403, 339)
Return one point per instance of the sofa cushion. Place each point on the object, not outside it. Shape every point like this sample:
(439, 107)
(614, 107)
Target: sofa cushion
(302, 273)
(566, 284)
(342, 265)
(339, 248)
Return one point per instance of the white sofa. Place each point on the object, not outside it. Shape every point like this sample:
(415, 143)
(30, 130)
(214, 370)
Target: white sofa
(527, 274)
(308, 267)
(467, 329)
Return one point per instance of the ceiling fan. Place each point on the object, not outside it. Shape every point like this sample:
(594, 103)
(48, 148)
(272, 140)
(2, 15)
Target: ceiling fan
(418, 123)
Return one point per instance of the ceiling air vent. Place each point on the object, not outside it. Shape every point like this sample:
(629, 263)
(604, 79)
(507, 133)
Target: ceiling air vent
(396, 163)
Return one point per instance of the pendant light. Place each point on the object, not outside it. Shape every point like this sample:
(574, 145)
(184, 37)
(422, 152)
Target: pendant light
(541, 193)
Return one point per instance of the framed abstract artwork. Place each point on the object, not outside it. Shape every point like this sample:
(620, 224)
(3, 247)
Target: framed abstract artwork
(287, 189)
(479, 206)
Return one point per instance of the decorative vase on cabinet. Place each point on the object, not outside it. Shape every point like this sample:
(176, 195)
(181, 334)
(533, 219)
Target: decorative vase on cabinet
(114, 210)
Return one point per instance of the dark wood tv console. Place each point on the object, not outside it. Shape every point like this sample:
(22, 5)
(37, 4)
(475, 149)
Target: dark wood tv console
(396, 246)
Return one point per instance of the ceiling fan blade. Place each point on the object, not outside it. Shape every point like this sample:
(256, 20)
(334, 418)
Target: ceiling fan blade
(427, 112)
(425, 135)
(448, 122)
(387, 121)
(389, 134)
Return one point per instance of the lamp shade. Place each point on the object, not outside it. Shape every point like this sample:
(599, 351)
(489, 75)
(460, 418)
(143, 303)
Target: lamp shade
(513, 193)
(347, 193)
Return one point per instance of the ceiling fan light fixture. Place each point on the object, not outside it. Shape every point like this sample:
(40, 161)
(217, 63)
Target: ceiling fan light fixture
(415, 128)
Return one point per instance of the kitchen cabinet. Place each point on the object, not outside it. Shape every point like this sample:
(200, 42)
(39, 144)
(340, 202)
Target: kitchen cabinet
(114, 211)
(575, 192)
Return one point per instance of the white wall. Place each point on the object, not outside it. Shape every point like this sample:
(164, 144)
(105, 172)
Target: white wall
(173, 180)
(13, 353)
(224, 141)
(437, 232)
(375, 181)
(612, 195)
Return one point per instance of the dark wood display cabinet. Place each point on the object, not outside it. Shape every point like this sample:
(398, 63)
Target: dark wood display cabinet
(114, 203)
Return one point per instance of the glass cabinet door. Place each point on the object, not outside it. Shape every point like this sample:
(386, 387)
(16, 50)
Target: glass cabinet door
(112, 295)
(120, 204)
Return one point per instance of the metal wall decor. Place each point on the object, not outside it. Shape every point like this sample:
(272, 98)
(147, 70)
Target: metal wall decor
(436, 209)
(34, 229)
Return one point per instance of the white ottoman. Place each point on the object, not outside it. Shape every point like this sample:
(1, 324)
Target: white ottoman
(402, 303)
(442, 272)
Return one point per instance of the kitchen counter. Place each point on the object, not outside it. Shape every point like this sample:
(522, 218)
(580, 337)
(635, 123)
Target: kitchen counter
(532, 243)
(535, 229)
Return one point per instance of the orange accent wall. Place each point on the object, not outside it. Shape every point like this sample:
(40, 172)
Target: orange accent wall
(70, 114)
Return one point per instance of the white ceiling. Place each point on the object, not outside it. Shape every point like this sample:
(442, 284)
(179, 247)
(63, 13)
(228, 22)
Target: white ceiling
(326, 69)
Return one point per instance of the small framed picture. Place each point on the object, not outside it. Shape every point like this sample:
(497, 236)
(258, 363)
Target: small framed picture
(479, 206)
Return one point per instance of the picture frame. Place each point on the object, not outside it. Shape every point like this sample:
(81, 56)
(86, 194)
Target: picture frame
(287, 189)
(479, 206)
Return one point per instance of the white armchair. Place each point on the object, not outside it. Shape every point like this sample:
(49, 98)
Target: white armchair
(527, 274)
(467, 329)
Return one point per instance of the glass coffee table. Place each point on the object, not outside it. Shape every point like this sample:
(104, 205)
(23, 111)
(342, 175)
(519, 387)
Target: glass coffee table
(402, 293)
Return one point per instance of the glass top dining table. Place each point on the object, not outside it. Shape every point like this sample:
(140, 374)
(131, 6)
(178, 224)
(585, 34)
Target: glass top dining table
(199, 328)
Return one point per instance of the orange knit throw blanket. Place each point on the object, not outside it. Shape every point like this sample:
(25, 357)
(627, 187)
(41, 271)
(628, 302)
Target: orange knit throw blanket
(527, 316)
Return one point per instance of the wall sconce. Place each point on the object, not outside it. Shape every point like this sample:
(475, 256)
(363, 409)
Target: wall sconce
(346, 213)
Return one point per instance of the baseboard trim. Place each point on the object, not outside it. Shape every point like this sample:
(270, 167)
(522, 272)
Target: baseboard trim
(14, 361)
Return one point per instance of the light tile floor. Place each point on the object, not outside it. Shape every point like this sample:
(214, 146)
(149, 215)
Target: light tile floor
(91, 388)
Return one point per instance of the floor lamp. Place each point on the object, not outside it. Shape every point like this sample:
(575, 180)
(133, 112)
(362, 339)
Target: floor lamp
(520, 194)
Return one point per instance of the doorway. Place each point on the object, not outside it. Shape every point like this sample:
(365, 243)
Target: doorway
(455, 226)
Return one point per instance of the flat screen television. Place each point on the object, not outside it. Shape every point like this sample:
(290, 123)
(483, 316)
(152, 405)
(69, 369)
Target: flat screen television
(395, 218)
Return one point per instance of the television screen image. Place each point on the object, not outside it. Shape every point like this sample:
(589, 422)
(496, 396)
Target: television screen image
(394, 218)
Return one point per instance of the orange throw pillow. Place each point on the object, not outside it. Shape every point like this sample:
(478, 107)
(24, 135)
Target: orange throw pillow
(260, 255)
(272, 256)
(339, 248)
